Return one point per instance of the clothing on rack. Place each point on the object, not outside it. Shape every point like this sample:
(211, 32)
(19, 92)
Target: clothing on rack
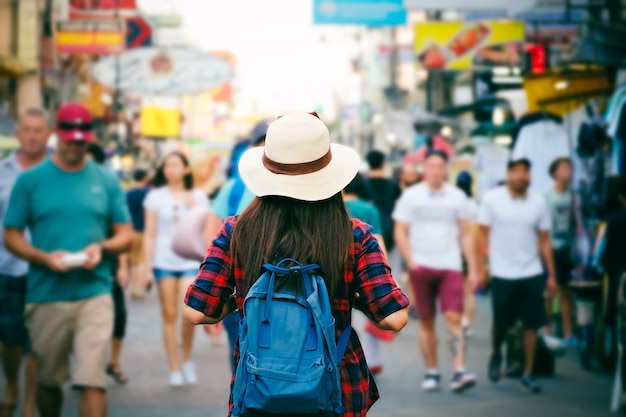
(490, 161)
(541, 142)
(530, 119)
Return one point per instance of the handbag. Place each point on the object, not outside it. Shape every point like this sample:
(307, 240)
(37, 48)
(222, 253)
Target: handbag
(188, 241)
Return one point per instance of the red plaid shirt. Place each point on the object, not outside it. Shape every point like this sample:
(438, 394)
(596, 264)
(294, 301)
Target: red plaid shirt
(368, 274)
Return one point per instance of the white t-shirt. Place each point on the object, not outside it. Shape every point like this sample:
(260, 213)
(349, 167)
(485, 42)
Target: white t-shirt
(514, 224)
(169, 212)
(433, 218)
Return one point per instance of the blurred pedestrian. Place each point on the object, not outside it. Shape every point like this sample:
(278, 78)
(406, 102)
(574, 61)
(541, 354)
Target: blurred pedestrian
(464, 181)
(385, 193)
(432, 229)
(207, 175)
(134, 267)
(516, 224)
(356, 197)
(170, 200)
(233, 198)
(408, 176)
(299, 212)
(563, 234)
(68, 203)
(120, 281)
(32, 133)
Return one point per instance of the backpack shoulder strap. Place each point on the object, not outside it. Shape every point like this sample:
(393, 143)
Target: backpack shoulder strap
(342, 343)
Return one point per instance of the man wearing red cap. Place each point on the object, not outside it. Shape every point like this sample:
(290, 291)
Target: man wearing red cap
(69, 203)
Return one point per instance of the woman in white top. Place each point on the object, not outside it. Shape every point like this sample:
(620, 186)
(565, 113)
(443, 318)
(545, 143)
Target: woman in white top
(464, 181)
(165, 206)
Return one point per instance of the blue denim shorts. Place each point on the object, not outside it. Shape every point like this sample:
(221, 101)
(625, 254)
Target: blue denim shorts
(159, 274)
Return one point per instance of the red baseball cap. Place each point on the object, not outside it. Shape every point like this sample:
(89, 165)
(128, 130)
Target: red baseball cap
(74, 122)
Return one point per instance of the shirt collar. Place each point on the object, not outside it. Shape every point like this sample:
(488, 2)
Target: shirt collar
(436, 193)
(11, 162)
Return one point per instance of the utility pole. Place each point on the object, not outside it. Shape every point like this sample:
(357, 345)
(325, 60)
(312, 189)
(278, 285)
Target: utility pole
(117, 97)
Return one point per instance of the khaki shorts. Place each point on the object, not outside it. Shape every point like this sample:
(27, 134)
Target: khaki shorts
(82, 328)
(135, 256)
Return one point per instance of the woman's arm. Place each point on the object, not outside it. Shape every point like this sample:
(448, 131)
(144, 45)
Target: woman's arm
(395, 321)
(149, 241)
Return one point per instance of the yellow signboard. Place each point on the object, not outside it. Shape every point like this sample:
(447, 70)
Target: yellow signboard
(469, 45)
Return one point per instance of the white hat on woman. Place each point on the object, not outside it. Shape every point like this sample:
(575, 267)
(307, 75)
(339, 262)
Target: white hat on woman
(298, 161)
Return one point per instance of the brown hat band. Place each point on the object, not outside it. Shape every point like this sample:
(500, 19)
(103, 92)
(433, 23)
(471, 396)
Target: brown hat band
(297, 169)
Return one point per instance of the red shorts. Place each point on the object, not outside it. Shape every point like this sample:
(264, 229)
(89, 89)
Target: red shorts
(429, 283)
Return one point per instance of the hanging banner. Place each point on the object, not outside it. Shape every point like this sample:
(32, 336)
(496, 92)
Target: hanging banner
(165, 71)
(469, 45)
(102, 9)
(98, 37)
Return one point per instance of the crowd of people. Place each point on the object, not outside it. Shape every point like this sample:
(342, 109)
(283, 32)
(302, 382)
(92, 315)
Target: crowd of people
(74, 240)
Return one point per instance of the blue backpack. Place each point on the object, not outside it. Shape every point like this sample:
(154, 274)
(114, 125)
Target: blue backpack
(289, 360)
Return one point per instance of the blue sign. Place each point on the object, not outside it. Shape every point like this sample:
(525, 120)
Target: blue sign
(138, 33)
(359, 12)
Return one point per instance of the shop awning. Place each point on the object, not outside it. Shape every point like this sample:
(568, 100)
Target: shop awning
(11, 66)
(603, 45)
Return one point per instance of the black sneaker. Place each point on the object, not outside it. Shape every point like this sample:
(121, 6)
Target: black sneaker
(495, 368)
(528, 384)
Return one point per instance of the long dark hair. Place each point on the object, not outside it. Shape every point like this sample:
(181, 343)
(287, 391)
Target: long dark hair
(272, 228)
(159, 177)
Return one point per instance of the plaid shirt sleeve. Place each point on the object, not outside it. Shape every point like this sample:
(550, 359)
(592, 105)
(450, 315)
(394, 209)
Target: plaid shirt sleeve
(215, 282)
(379, 293)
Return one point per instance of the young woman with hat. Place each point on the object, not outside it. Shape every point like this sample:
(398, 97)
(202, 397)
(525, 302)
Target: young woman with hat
(299, 211)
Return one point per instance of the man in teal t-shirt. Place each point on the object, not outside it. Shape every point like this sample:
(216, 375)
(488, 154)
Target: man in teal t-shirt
(69, 204)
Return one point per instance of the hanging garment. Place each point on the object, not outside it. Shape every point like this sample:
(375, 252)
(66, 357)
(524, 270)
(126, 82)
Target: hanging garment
(530, 119)
(541, 142)
(490, 162)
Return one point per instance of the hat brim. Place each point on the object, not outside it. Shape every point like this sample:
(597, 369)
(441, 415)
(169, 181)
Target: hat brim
(317, 186)
(75, 135)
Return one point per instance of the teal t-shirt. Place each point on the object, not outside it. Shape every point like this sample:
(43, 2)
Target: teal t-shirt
(562, 211)
(67, 211)
(220, 205)
(367, 213)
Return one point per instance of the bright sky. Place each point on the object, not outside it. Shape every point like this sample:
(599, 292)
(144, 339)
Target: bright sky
(282, 65)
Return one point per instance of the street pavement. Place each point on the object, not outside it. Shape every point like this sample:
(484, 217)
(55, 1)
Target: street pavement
(571, 393)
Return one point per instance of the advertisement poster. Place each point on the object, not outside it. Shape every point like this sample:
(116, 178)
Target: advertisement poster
(469, 45)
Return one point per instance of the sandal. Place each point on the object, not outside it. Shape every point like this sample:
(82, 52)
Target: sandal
(116, 373)
(7, 410)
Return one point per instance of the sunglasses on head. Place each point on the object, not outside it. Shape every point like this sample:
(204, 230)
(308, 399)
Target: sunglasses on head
(84, 127)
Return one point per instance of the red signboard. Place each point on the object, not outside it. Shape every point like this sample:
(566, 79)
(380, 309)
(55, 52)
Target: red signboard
(102, 9)
(538, 58)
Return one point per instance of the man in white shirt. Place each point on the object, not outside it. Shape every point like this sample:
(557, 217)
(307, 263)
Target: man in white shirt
(432, 226)
(516, 223)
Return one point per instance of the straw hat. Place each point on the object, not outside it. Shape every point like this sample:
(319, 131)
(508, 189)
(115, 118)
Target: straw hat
(298, 161)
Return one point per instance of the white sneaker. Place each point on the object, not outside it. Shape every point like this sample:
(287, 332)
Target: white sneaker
(555, 345)
(431, 382)
(189, 372)
(176, 379)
